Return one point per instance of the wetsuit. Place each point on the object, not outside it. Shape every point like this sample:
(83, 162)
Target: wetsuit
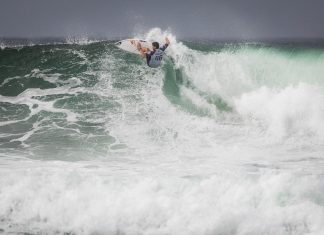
(154, 58)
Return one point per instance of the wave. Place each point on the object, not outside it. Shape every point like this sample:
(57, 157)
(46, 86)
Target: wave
(223, 139)
(231, 83)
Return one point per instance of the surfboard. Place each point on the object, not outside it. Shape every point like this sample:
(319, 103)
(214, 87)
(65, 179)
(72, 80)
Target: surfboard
(130, 45)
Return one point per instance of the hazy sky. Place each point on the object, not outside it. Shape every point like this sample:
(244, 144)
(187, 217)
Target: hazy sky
(217, 19)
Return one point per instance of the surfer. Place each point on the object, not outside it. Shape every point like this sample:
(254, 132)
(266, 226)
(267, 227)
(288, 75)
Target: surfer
(153, 58)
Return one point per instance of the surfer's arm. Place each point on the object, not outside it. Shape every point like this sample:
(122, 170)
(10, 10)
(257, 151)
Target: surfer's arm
(164, 47)
(167, 43)
(145, 52)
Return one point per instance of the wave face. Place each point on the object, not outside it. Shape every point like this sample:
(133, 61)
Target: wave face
(223, 139)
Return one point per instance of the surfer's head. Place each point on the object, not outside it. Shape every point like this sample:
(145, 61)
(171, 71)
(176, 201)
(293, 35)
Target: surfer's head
(155, 45)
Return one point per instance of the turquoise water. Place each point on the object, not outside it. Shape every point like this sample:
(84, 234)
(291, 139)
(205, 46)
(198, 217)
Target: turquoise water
(225, 138)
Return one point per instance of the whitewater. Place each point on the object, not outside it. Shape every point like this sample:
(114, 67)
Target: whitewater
(224, 139)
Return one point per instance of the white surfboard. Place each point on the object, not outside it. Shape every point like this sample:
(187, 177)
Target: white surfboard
(130, 45)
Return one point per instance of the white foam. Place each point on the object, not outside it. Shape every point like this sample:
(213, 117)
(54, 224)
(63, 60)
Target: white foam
(295, 110)
(35, 105)
(71, 198)
(2, 46)
(80, 40)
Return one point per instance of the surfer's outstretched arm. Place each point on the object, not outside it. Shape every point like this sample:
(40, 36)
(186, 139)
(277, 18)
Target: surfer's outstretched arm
(167, 41)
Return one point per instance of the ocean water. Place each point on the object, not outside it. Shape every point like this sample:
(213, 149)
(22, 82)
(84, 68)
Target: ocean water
(224, 139)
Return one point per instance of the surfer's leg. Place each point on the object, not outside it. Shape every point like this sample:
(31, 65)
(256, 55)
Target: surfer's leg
(139, 46)
(148, 58)
(141, 50)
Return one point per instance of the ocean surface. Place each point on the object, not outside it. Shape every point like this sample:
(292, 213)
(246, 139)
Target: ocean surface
(223, 139)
